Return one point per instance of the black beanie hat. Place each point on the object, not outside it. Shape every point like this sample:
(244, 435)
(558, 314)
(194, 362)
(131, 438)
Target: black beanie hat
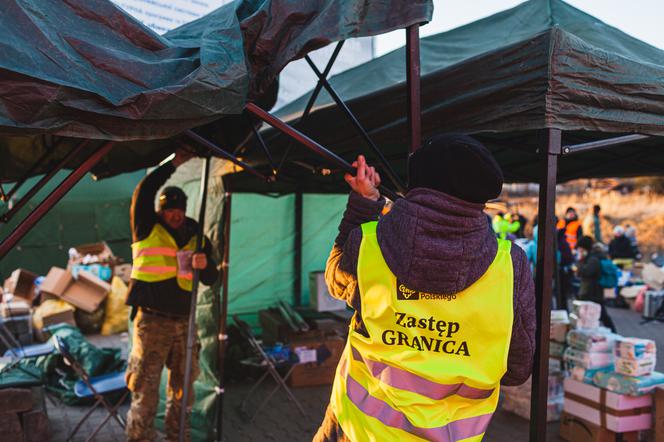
(172, 198)
(585, 243)
(457, 165)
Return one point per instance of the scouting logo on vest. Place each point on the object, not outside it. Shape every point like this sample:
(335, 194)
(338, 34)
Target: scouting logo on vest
(407, 294)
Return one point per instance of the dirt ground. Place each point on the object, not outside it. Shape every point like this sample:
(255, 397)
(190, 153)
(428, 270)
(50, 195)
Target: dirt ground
(280, 421)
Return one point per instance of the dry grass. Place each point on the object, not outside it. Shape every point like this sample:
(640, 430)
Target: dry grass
(642, 210)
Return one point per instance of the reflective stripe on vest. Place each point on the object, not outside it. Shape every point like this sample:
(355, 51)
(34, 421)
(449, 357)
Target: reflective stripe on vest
(432, 364)
(155, 258)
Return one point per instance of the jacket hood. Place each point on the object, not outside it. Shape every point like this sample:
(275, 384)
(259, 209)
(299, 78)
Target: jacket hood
(437, 243)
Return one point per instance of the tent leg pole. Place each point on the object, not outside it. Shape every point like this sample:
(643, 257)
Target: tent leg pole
(223, 337)
(52, 199)
(413, 84)
(191, 329)
(543, 284)
(297, 263)
(42, 182)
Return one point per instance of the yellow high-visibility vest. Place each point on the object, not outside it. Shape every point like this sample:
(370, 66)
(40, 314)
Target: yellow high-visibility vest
(431, 367)
(155, 258)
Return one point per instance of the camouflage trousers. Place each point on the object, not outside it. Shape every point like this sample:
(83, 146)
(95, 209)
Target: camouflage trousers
(157, 342)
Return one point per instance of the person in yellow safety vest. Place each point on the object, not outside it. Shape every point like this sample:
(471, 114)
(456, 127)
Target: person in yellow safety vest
(571, 226)
(505, 225)
(164, 259)
(444, 310)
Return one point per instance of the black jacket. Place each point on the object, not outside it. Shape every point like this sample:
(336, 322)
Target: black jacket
(165, 296)
(621, 247)
(590, 270)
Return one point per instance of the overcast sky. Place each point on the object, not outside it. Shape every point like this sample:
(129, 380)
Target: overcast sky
(643, 19)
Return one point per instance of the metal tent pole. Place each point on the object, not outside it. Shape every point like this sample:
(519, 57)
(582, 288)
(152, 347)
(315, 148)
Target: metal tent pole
(191, 330)
(226, 155)
(42, 182)
(51, 200)
(223, 337)
(413, 84)
(384, 164)
(543, 284)
(7, 196)
(297, 256)
(311, 144)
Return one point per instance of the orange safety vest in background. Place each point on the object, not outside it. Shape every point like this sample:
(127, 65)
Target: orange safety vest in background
(571, 232)
(431, 366)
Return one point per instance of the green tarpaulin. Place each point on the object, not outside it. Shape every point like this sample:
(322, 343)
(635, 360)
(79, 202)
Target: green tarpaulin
(92, 211)
(261, 268)
(86, 69)
(542, 64)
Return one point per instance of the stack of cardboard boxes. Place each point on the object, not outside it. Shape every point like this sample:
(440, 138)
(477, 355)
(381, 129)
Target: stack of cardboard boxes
(75, 295)
(609, 391)
(23, 415)
(323, 345)
(517, 399)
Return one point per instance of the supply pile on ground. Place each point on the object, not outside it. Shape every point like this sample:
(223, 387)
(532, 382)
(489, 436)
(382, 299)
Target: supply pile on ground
(89, 293)
(517, 399)
(610, 383)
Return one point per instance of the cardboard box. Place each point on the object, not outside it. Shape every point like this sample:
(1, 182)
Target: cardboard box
(558, 332)
(15, 307)
(659, 414)
(616, 412)
(575, 429)
(319, 297)
(309, 374)
(86, 293)
(123, 271)
(21, 283)
(274, 327)
(66, 316)
(93, 253)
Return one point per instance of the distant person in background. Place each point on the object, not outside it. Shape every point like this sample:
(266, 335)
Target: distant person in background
(523, 222)
(620, 246)
(592, 224)
(571, 226)
(506, 226)
(590, 270)
(630, 233)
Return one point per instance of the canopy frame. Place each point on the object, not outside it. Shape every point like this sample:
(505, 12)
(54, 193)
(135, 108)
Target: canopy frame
(313, 97)
(548, 179)
(6, 217)
(56, 195)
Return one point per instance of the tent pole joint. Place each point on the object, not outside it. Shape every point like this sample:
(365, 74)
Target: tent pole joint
(341, 104)
(311, 144)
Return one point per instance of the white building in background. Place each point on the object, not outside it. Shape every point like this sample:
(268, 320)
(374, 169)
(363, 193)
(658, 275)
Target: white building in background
(295, 80)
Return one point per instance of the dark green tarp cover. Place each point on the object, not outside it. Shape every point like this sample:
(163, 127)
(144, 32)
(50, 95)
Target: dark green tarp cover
(92, 211)
(60, 378)
(542, 64)
(86, 69)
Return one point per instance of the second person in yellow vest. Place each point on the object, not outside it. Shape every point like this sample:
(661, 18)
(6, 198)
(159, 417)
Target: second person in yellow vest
(444, 311)
(164, 259)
